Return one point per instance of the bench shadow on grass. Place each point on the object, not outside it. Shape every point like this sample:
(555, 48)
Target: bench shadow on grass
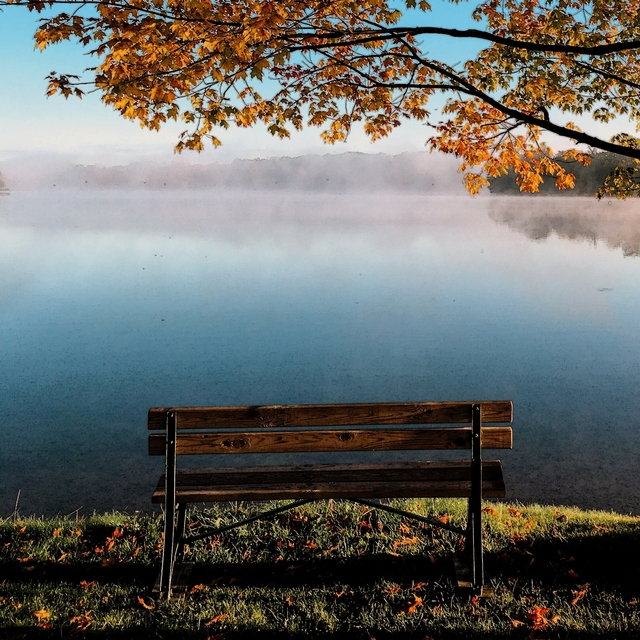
(607, 561)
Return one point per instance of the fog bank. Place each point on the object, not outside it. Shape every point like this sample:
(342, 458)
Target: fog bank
(411, 173)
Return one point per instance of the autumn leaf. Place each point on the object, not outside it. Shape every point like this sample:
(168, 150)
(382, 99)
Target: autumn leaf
(41, 614)
(219, 618)
(514, 512)
(81, 622)
(389, 591)
(289, 600)
(149, 607)
(537, 618)
(444, 518)
(573, 574)
(405, 542)
(490, 511)
(57, 532)
(578, 595)
(309, 544)
(196, 588)
(215, 636)
(515, 623)
(561, 518)
(404, 529)
(412, 605)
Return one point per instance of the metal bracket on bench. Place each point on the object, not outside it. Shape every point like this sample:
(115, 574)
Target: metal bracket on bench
(228, 527)
(413, 516)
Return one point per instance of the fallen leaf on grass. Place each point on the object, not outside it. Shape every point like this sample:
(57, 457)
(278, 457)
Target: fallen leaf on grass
(405, 529)
(561, 518)
(514, 513)
(41, 614)
(88, 585)
(419, 585)
(537, 618)
(149, 607)
(196, 588)
(218, 618)
(64, 555)
(490, 511)
(573, 573)
(633, 602)
(445, 518)
(309, 544)
(215, 636)
(515, 623)
(81, 622)
(391, 590)
(289, 600)
(405, 542)
(412, 606)
(57, 532)
(599, 528)
(578, 595)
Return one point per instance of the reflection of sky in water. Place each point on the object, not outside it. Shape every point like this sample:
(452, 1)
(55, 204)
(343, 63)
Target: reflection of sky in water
(110, 306)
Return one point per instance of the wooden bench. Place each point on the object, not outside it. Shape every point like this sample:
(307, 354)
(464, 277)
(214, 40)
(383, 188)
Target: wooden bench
(329, 428)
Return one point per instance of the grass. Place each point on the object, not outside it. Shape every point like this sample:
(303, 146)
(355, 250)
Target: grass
(328, 570)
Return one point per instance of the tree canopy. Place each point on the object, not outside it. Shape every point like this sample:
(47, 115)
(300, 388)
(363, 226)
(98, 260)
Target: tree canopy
(335, 63)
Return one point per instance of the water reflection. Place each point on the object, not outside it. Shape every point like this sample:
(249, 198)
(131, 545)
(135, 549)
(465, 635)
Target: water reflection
(112, 303)
(614, 222)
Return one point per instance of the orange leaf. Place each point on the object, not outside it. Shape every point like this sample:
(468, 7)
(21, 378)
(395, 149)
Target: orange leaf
(57, 532)
(573, 574)
(490, 510)
(309, 544)
(514, 513)
(578, 596)
(289, 600)
(82, 622)
(215, 636)
(88, 585)
(405, 542)
(391, 590)
(445, 518)
(218, 618)
(118, 533)
(42, 614)
(197, 587)
(149, 607)
(404, 529)
(537, 617)
(411, 607)
(515, 623)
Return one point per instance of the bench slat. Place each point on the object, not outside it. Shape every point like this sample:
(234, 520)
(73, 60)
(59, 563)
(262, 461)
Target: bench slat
(327, 415)
(392, 480)
(332, 440)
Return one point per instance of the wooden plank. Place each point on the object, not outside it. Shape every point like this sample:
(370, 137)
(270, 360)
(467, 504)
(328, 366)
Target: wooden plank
(363, 472)
(336, 490)
(328, 415)
(332, 440)
(388, 480)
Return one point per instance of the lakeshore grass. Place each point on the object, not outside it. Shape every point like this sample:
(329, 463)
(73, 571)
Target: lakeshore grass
(327, 570)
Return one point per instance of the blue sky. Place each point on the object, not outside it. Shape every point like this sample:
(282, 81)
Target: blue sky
(92, 132)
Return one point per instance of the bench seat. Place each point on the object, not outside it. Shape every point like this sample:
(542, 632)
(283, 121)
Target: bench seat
(421, 479)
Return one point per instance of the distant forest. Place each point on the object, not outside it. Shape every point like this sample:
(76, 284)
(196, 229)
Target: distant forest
(588, 179)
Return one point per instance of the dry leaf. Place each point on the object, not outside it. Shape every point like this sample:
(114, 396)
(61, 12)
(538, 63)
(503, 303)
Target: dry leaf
(215, 636)
(391, 590)
(289, 600)
(561, 518)
(197, 587)
(573, 574)
(81, 623)
(490, 511)
(42, 614)
(309, 544)
(57, 532)
(88, 585)
(411, 607)
(405, 542)
(537, 617)
(218, 618)
(445, 518)
(149, 607)
(514, 513)
(515, 623)
(578, 596)
(405, 529)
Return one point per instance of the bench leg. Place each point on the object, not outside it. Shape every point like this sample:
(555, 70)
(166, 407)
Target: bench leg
(179, 543)
(168, 548)
(474, 525)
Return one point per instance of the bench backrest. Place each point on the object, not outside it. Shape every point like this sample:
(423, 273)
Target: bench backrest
(303, 428)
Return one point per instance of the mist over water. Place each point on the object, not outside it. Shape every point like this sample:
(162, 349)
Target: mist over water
(113, 302)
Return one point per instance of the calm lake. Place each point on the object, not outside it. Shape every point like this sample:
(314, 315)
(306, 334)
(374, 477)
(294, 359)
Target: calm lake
(114, 302)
